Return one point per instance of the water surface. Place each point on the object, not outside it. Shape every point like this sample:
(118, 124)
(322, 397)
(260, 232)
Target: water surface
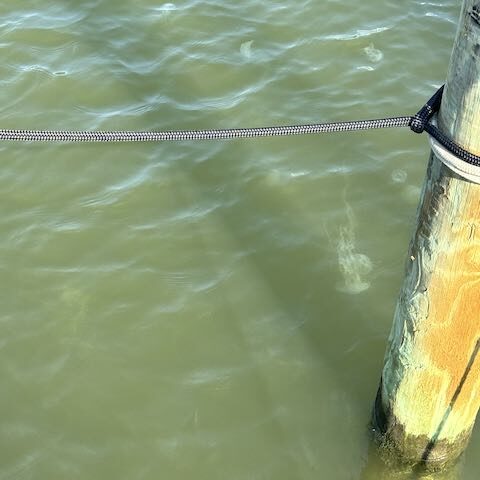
(206, 310)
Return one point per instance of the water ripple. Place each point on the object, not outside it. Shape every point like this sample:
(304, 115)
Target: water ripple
(359, 33)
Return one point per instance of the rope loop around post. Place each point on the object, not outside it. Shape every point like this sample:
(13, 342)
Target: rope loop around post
(461, 161)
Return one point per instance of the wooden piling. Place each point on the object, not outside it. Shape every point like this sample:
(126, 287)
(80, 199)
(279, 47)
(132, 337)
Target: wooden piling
(429, 393)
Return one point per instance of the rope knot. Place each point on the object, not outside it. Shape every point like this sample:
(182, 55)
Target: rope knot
(417, 124)
(420, 120)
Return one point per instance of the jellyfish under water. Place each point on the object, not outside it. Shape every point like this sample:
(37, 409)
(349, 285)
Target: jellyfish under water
(354, 266)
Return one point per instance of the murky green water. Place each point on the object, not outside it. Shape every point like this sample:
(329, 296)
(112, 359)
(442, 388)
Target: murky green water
(206, 310)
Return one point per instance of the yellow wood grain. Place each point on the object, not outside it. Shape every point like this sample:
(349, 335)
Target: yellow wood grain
(430, 390)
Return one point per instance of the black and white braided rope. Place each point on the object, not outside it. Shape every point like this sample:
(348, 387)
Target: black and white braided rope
(420, 122)
(215, 134)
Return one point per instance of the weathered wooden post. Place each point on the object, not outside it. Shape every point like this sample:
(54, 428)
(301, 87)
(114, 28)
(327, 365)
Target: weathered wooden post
(429, 393)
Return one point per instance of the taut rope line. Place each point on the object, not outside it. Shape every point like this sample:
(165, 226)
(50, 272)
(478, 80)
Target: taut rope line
(420, 122)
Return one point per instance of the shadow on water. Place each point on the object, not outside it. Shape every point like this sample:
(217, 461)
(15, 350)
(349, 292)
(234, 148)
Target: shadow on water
(315, 281)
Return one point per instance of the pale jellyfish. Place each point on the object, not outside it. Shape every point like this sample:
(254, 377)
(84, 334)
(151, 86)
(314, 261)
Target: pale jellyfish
(373, 54)
(246, 49)
(165, 10)
(354, 266)
(399, 176)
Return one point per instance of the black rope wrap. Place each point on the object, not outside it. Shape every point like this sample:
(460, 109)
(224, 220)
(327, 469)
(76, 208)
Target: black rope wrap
(451, 146)
(419, 123)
